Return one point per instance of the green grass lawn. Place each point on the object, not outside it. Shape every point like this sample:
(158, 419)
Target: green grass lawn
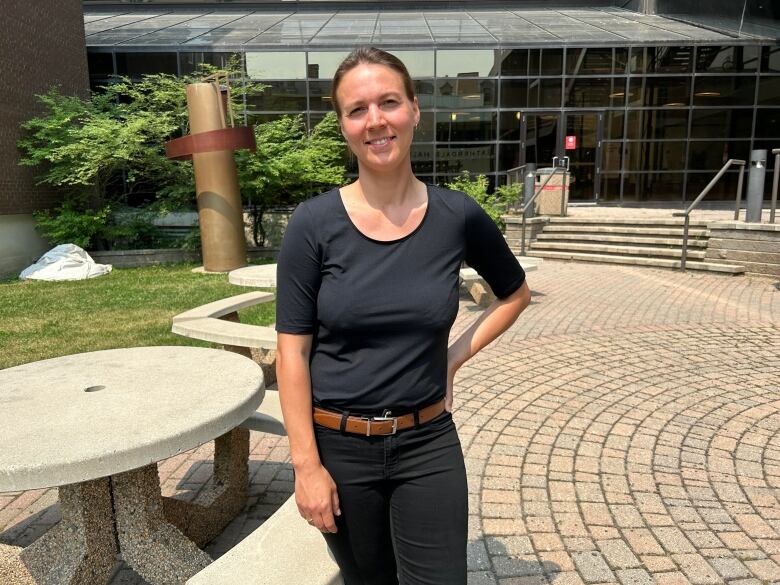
(129, 307)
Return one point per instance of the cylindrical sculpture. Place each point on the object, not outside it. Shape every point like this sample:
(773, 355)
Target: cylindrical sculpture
(755, 191)
(210, 144)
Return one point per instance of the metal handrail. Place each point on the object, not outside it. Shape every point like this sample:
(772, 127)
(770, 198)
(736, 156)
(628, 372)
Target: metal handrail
(707, 189)
(527, 204)
(509, 173)
(773, 205)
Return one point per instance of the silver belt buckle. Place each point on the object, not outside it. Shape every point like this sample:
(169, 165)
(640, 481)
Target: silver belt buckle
(385, 416)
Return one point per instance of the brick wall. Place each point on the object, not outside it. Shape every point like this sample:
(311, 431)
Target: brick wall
(41, 44)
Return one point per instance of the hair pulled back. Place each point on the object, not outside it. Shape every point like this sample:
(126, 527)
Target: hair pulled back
(370, 56)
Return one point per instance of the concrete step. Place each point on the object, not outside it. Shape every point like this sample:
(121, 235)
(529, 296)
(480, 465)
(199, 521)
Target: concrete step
(622, 239)
(607, 249)
(630, 221)
(616, 229)
(639, 261)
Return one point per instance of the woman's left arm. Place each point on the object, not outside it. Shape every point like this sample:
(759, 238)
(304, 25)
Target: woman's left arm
(494, 321)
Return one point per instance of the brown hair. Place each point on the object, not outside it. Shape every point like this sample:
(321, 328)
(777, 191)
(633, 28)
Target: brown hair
(370, 56)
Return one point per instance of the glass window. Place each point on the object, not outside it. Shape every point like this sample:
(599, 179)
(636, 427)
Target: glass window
(660, 91)
(424, 89)
(589, 61)
(473, 63)
(653, 187)
(768, 123)
(422, 158)
(465, 126)
(713, 154)
(611, 156)
(508, 156)
(770, 59)
(319, 95)
(544, 93)
(454, 158)
(732, 90)
(514, 62)
(100, 64)
(655, 156)
(514, 93)
(724, 189)
(461, 93)
(610, 187)
(634, 125)
(323, 65)
(137, 64)
(189, 62)
(275, 65)
(661, 59)
(280, 96)
(545, 62)
(667, 124)
(613, 124)
(768, 90)
(714, 59)
(418, 63)
(509, 125)
(595, 92)
(621, 60)
(726, 123)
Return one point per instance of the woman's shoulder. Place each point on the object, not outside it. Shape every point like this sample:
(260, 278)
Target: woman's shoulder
(322, 202)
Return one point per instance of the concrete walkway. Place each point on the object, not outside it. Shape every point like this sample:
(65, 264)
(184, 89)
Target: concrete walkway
(625, 430)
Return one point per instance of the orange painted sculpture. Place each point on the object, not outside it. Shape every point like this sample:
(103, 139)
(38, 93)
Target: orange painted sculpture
(210, 145)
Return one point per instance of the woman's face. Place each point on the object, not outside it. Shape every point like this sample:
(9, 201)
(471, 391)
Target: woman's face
(377, 118)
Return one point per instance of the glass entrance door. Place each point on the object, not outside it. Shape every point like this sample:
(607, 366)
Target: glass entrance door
(541, 138)
(584, 154)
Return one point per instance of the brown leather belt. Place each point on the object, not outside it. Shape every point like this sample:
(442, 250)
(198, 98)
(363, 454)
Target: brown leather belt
(377, 425)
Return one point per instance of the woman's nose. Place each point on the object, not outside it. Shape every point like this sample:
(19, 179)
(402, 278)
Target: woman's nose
(375, 117)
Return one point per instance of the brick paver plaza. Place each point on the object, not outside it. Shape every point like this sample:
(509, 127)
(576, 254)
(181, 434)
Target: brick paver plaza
(625, 430)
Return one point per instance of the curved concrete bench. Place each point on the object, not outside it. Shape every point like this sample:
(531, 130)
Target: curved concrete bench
(285, 550)
(480, 290)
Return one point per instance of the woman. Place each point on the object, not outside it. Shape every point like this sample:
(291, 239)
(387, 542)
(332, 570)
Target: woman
(367, 294)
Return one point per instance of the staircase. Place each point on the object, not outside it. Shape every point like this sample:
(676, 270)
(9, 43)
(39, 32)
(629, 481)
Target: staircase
(638, 242)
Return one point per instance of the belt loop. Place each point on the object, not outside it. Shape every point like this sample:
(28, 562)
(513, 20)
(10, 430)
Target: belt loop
(416, 419)
(343, 424)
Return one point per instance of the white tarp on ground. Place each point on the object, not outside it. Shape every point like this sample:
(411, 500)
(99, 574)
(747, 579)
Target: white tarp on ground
(64, 262)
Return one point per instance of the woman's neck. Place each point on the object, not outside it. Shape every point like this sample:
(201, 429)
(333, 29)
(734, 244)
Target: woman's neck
(388, 190)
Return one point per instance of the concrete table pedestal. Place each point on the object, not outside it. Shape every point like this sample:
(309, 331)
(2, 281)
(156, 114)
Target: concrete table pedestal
(100, 442)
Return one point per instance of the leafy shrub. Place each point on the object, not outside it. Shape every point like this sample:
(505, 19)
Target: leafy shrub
(495, 205)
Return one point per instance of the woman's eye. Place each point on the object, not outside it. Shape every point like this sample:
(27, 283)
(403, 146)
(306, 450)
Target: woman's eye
(357, 111)
(390, 103)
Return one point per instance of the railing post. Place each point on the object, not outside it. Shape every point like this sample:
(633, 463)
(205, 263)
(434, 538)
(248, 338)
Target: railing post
(563, 193)
(522, 235)
(775, 177)
(739, 192)
(684, 256)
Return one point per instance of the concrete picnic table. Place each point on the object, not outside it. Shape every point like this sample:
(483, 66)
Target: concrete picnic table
(96, 424)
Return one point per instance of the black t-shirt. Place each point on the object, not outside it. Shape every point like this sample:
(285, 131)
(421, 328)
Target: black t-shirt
(380, 312)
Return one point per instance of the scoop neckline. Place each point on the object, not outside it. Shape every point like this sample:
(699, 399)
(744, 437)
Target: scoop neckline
(395, 241)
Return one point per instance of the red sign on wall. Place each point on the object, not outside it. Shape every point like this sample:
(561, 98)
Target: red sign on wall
(571, 142)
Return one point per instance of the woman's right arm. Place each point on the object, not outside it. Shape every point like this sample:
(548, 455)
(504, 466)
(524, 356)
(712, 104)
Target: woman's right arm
(315, 490)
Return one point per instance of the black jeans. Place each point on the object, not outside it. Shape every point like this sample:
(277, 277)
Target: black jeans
(404, 505)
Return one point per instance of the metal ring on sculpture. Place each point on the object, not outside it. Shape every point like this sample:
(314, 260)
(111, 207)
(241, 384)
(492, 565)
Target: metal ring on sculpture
(214, 140)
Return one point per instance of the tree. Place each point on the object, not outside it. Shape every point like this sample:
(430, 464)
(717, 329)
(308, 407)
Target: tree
(289, 165)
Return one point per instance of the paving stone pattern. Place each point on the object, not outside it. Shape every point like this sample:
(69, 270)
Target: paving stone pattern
(626, 430)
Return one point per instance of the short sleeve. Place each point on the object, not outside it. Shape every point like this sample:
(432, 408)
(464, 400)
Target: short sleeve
(298, 275)
(488, 253)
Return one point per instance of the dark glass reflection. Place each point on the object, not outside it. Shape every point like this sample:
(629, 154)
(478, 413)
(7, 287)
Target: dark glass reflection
(714, 59)
(424, 132)
(454, 158)
(611, 156)
(510, 125)
(422, 158)
(319, 95)
(541, 138)
(770, 59)
(552, 62)
(730, 90)
(769, 91)
(595, 92)
(655, 156)
(661, 60)
(660, 91)
(768, 123)
(638, 187)
(666, 124)
(589, 61)
(424, 90)
(508, 156)
(713, 154)
(726, 123)
(544, 93)
(725, 189)
(189, 62)
(514, 93)
(465, 126)
(514, 62)
(457, 93)
(610, 188)
(280, 96)
(100, 64)
(137, 64)
(613, 124)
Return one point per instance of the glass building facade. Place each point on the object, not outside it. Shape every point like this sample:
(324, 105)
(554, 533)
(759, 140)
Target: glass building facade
(649, 121)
